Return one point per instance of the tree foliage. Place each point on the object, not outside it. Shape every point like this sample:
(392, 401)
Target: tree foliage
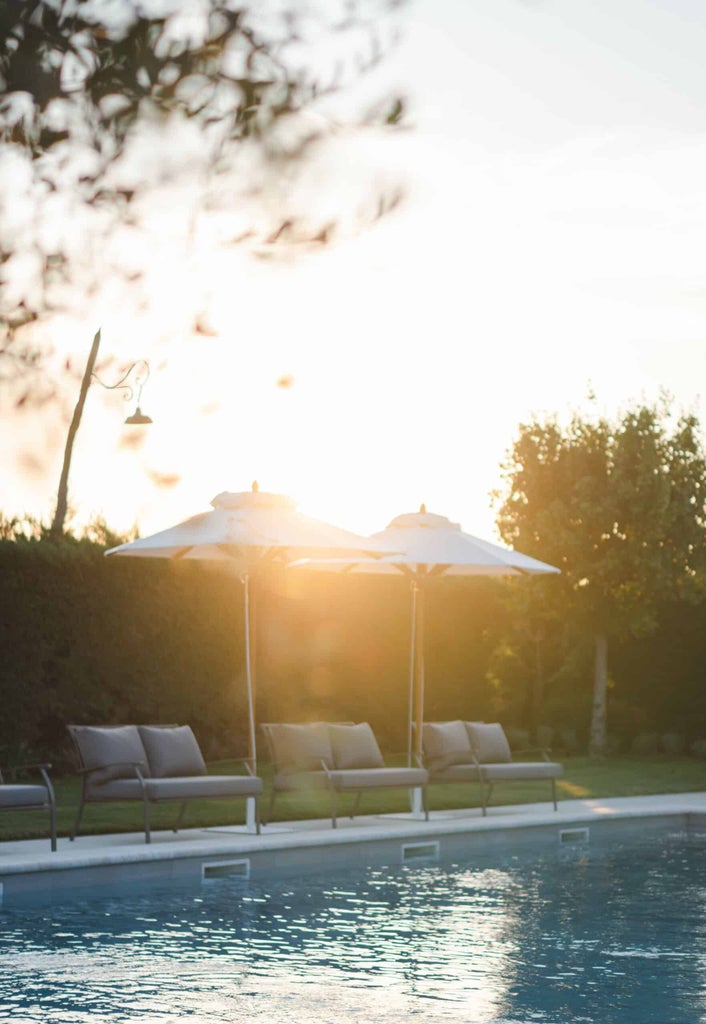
(104, 105)
(619, 507)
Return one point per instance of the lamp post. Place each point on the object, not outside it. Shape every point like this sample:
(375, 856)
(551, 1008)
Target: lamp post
(138, 418)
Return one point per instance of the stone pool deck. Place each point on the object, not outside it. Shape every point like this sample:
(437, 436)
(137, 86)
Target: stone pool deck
(28, 869)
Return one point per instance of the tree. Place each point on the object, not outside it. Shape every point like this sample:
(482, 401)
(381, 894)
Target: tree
(619, 507)
(107, 108)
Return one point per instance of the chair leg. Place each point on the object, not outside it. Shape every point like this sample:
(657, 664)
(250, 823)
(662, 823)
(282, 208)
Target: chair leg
(554, 795)
(356, 805)
(148, 833)
(425, 802)
(334, 822)
(257, 816)
(52, 824)
(271, 807)
(482, 796)
(252, 819)
(79, 814)
(180, 817)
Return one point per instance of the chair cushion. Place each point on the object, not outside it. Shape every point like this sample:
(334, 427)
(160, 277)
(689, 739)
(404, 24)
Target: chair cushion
(295, 781)
(355, 779)
(457, 773)
(522, 771)
(172, 751)
(191, 788)
(17, 796)
(101, 746)
(489, 742)
(300, 748)
(446, 743)
(354, 746)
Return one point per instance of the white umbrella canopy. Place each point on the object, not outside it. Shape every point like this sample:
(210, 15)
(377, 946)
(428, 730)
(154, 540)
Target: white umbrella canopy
(248, 526)
(251, 529)
(428, 546)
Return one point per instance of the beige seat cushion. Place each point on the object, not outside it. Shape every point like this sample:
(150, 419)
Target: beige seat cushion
(192, 788)
(295, 781)
(355, 779)
(20, 795)
(354, 746)
(489, 742)
(522, 771)
(457, 773)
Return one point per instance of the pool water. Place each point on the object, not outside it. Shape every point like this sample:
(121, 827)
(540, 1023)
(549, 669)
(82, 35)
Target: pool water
(591, 938)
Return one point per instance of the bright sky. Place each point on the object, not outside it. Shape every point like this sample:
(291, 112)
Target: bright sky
(551, 242)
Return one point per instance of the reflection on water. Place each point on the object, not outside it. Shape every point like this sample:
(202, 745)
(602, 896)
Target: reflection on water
(616, 938)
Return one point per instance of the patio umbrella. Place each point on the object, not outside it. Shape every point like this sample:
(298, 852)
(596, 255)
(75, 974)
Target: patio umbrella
(251, 529)
(428, 546)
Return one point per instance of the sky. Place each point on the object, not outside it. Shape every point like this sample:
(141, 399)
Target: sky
(550, 245)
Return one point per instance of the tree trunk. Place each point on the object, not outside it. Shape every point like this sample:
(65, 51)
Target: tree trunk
(57, 527)
(537, 684)
(597, 744)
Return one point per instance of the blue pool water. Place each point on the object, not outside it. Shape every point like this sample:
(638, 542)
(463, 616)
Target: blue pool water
(588, 939)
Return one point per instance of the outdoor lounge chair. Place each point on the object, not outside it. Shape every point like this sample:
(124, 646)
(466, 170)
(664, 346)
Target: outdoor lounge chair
(152, 764)
(479, 752)
(341, 758)
(17, 796)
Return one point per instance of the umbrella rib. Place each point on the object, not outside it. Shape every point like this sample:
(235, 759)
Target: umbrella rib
(437, 570)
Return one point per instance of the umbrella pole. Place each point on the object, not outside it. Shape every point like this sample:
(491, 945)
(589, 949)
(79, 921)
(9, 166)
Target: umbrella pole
(254, 589)
(419, 694)
(412, 663)
(250, 820)
(418, 608)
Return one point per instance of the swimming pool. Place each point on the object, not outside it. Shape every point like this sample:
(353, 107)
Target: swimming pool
(579, 936)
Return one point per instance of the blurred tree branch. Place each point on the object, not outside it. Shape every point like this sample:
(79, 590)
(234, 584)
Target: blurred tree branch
(101, 104)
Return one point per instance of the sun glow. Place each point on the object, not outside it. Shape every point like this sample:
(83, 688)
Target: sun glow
(543, 248)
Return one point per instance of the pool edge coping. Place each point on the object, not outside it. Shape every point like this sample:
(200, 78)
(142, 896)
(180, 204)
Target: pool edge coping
(125, 849)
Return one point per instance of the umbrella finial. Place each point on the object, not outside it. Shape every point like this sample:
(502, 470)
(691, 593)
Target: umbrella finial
(255, 487)
(423, 509)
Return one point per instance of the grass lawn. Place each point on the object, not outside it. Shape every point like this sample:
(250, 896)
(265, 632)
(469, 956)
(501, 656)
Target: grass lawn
(583, 778)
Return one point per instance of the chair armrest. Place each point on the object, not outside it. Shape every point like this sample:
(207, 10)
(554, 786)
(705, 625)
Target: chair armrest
(246, 761)
(450, 754)
(14, 769)
(42, 768)
(137, 765)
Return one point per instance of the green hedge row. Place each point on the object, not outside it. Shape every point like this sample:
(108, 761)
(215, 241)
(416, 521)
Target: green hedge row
(96, 640)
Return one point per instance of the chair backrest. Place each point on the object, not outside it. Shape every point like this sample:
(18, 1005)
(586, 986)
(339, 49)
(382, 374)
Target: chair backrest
(109, 751)
(308, 746)
(172, 751)
(298, 747)
(489, 742)
(445, 744)
(354, 747)
(162, 751)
